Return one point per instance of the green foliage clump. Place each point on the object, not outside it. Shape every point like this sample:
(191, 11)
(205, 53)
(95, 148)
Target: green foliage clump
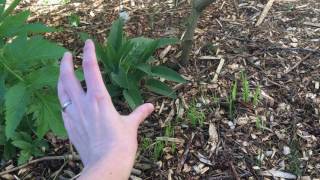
(128, 66)
(196, 116)
(232, 98)
(29, 70)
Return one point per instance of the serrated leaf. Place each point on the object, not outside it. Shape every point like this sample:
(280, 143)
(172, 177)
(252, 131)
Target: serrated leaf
(12, 24)
(22, 144)
(34, 28)
(160, 88)
(16, 100)
(48, 115)
(116, 34)
(28, 52)
(46, 76)
(24, 157)
(133, 98)
(167, 73)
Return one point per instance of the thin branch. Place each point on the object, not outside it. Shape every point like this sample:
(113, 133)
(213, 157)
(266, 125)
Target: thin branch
(48, 158)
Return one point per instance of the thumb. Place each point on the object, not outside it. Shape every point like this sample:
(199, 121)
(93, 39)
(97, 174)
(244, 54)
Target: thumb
(140, 114)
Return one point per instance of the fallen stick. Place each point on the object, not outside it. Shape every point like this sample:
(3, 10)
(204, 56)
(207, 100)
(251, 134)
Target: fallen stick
(265, 12)
(66, 157)
(185, 154)
(312, 24)
(216, 75)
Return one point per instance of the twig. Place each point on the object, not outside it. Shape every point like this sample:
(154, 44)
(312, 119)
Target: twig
(294, 49)
(185, 154)
(66, 157)
(312, 24)
(265, 12)
(234, 171)
(215, 78)
(298, 63)
(246, 174)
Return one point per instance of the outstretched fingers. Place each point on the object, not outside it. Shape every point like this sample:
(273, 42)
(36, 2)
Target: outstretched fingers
(68, 80)
(92, 74)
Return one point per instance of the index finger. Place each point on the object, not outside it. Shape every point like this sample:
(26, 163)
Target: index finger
(91, 69)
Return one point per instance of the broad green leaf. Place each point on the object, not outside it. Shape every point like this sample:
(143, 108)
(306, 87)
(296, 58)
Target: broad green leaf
(160, 88)
(133, 98)
(12, 24)
(28, 52)
(2, 88)
(2, 6)
(149, 50)
(2, 136)
(16, 100)
(46, 76)
(113, 90)
(22, 144)
(11, 7)
(141, 40)
(24, 156)
(120, 79)
(35, 28)
(145, 68)
(162, 42)
(167, 73)
(116, 34)
(9, 151)
(48, 115)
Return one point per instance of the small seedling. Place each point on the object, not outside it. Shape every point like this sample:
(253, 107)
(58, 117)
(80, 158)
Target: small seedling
(259, 123)
(245, 88)
(169, 131)
(195, 116)
(256, 96)
(146, 143)
(231, 100)
(74, 20)
(158, 150)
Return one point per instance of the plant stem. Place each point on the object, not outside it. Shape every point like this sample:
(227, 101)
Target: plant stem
(12, 72)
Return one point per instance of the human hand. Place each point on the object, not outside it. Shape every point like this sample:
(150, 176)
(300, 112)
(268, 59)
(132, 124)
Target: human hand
(99, 133)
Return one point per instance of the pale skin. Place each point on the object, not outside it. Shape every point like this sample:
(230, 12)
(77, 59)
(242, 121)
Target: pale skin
(105, 140)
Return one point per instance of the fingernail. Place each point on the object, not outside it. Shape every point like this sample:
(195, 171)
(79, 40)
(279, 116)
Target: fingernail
(67, 54)
(88, 41)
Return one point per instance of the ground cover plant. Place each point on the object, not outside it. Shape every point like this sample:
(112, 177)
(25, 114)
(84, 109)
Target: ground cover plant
(128, 65)
(249, 108)
(28, 75)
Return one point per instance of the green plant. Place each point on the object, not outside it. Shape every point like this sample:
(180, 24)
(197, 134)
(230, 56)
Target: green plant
(245, 88)
(196, 116)
(28, 76)
(74, 20)
(128, 65)
(146, 143)
(158, 150)
(256, 96)
(259, 123)
(232, 99)
(169, 132)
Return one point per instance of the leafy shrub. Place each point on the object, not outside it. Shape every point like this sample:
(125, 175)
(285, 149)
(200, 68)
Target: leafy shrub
(28, 75)
(128, 65)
